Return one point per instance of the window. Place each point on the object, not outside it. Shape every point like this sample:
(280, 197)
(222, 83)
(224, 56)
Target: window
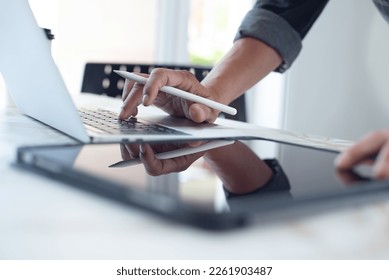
(212, 27)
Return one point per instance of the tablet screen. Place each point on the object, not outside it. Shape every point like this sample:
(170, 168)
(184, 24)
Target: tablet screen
(214, 177)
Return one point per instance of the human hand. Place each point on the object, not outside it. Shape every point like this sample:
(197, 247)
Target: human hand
(147, 155)
(371, 149)
(350, 177)
(135, 94)
(237, 166)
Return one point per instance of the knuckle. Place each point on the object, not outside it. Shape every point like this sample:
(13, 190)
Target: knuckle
(158, 72)
(381, 172)
(378, 134)
(153, 172)
(188, 77)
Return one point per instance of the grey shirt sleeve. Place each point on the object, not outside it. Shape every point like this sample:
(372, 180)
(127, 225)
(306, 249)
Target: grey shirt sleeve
(274, 31)
(281, 24)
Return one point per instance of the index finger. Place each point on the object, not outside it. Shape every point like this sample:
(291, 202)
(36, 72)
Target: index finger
(132, 98)
(128, 84)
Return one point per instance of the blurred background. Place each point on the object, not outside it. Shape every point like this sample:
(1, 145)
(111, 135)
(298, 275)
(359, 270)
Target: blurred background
(338, 86)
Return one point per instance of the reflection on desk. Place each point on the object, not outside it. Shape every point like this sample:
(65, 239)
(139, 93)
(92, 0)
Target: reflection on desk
(44, 219)
(186, 180)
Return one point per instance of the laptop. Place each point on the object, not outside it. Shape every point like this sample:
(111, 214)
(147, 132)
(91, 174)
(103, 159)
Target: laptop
(38, 90)
(240, 184)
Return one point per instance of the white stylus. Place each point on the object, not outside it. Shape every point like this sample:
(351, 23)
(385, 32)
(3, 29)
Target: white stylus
(180, 93)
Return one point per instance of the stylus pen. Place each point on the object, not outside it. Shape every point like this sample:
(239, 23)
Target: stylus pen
(177, 153)
(180, 93)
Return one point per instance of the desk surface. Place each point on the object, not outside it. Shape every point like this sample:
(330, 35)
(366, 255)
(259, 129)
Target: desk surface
(42, 218)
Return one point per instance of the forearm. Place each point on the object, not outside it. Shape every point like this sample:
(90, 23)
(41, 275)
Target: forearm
(239, 168)
(248, 61)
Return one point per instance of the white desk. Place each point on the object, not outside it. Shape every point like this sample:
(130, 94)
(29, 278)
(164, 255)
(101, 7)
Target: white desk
(41, 218)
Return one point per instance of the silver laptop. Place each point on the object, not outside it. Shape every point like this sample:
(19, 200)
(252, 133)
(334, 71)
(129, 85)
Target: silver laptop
(38, 90)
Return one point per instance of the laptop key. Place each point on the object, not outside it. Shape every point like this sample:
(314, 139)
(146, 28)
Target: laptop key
(106, 121)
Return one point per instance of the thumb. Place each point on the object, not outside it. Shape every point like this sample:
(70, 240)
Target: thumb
(201, 113)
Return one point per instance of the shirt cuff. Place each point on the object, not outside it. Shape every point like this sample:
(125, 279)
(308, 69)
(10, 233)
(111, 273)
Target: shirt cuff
(274, 31)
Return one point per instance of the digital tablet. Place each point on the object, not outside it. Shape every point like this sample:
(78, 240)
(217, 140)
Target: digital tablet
(219, 184)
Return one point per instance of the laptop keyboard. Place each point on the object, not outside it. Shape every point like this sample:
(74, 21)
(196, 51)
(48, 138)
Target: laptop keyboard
(107, 122)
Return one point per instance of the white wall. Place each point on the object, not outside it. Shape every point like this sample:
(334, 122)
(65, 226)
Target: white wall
(339, 85)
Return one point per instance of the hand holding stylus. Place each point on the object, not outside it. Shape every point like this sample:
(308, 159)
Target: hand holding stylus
(178, 93)
(175, 153)
(165, 158)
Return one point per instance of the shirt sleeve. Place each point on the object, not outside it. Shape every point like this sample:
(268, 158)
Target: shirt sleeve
(281, 24)
(383, 7)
